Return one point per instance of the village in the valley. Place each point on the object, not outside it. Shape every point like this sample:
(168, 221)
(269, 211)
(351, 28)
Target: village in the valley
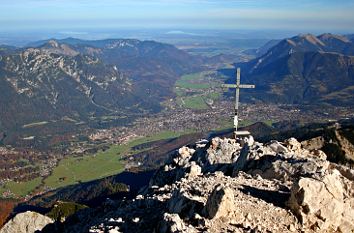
(219, 117)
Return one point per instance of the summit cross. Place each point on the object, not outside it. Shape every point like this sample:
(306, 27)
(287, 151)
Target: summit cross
(238, 86)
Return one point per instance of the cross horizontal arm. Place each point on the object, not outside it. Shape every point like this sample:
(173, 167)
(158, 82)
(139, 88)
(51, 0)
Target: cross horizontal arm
(246, 86)
(238, 86)
(229, 85)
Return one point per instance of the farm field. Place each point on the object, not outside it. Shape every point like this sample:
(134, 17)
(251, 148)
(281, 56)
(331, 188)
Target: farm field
(198, 90)
(21, 188)
(102, 164)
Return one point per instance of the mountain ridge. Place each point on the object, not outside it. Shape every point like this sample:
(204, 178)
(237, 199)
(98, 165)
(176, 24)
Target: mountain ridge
(304, 69)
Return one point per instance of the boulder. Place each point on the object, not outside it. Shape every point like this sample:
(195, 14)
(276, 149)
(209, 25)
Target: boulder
(293, 145)
(222, 151)
(318, 203)
(184, 155)
(223, 187)
(193, 171)
(277, 147)
(220, 203)
(241, 160)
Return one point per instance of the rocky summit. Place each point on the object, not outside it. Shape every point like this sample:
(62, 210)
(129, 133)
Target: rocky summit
(229, 185)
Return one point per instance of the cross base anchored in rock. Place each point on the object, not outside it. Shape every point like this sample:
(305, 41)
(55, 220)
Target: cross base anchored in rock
(242, 133)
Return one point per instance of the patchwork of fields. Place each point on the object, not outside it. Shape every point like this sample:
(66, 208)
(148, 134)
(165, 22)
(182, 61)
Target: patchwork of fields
(198, 90)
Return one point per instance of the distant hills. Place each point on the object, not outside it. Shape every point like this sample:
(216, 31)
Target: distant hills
(79, 79)
(152, 65)
(305, 69)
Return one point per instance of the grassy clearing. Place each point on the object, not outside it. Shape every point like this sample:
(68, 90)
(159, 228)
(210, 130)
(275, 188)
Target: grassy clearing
(214, 96)
(179, 92)
(195, 102)
(189, 85)
(21, 189)
(73, 170)
(192, 81)
(194, 90)
(104, 163)
(268, 122)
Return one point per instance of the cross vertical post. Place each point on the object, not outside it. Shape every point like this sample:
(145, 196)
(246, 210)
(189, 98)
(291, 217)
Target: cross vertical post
(238, 86)
(237, 97)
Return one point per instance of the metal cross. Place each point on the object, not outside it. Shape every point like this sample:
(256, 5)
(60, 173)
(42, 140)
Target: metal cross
(238, 86)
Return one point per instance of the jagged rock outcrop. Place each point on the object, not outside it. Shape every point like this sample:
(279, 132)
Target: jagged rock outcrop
(320, 204)
(28, 222)
(229, 185)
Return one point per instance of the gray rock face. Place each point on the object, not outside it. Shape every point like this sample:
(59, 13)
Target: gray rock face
(28, 222)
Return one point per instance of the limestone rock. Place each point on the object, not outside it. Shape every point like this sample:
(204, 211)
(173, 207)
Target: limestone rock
(293, 145)
(28, 222)
(318, 203)
(220, 203)
(277, 147)
(222, 151)
(185, 153)
(193, 171)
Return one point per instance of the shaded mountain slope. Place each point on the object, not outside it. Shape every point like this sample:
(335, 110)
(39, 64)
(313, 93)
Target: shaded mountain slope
(36, 85)
(304, 69)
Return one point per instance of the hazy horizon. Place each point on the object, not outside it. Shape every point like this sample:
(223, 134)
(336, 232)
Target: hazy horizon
(24, 38)
(23, 21)
(316, 15)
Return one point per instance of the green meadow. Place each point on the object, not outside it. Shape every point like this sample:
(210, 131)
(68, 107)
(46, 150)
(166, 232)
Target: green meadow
(72, 170)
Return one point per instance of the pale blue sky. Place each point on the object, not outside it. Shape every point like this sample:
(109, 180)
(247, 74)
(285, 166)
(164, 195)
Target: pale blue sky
(320, 15)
